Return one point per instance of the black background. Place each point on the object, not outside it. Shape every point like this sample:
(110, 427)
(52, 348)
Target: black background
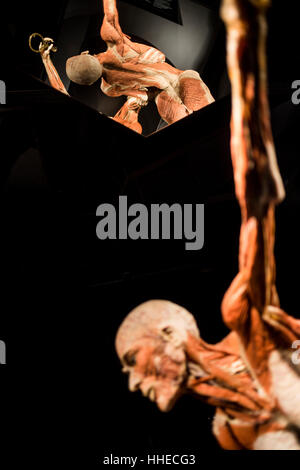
(64, 293)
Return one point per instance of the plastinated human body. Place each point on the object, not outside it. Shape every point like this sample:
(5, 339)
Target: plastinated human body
(161, 350)
(136, 71)
(245, 375)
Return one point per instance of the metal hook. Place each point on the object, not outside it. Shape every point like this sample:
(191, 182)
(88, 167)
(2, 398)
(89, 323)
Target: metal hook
(45, 43)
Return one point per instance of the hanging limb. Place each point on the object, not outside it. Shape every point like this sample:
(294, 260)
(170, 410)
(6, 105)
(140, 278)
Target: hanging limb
(111, 31)
(258, 182)
(111, 21)
(252, 298)
(113, 35)
(45, 47)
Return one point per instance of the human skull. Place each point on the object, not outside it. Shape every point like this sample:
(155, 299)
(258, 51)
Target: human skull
(84, 69)
(150, 344)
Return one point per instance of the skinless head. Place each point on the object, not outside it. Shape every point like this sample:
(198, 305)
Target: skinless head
(150, 344)
(84, 69)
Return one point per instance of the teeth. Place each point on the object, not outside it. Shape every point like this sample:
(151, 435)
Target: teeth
(151, 394)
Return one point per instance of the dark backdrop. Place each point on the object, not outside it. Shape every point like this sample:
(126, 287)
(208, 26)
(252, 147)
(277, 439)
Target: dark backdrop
(64, 293)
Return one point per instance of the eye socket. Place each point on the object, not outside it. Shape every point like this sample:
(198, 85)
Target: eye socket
(130, 359)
